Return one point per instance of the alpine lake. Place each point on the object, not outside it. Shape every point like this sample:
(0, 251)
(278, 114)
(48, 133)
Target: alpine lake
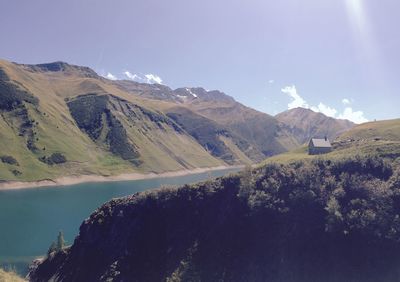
(31, 218)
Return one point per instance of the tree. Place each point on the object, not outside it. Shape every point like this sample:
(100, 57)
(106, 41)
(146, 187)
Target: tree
(52, 248)
(60, 241)
(58, 245)
(246, 182)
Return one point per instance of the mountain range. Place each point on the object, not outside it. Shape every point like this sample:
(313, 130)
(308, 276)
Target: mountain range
(59, 119)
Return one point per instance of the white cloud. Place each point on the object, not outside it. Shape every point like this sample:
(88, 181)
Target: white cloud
(107, 75)
(152, 78)
(326, 110)
(148, 78)
(297, 101)
(271, 81)
(132, 76)
(356, 117)
(346, 101)
(111, 76)
(348, 113)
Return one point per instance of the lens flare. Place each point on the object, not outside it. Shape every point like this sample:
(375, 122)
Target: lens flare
(360, 25)
(357, 15)
(364, 38)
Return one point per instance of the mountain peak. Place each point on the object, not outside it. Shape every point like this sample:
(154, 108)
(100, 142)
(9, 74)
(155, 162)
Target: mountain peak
(304, 123)
(200, 93)
(53, 67)
(60, 66)
(300, 110)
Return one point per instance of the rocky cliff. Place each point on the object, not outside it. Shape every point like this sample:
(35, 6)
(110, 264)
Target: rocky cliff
(308, 221)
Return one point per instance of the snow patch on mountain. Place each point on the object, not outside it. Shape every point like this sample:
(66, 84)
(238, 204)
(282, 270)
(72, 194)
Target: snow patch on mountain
(191, 93)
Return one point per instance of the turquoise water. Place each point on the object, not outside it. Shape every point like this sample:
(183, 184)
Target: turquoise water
(31, 218)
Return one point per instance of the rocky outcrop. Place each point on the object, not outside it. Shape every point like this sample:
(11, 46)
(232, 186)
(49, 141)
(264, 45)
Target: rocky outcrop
(318, 221)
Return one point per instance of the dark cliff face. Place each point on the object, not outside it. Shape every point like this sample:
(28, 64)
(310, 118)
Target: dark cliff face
(319, 221)
(62, 67)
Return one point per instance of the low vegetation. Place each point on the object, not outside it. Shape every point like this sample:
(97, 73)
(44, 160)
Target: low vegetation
(374, 139)
(10, 276)
(312, 220)
(55, 158)
(58, 245)
(9, 160)
(87, 110)
(204, 131)
(11, 94)
(93, 114)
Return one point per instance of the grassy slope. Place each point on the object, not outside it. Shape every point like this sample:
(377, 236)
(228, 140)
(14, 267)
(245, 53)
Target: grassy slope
(163, 148)
(57, 132)
(386, 130)
(262, 133)
(258, 128)
(373, 138)
(305, 123)
(235, 150)
(6, 276)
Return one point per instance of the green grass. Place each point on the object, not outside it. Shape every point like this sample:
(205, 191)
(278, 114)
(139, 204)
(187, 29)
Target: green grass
(160, 144)
(375, 139)
(55, 131)
(291, 156)
(386, 130)
(82, 155)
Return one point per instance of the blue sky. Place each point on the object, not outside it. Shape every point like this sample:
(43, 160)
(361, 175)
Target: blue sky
(340, 57)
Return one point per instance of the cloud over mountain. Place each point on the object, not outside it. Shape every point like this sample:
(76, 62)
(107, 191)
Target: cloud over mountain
(111, 76)
(147, 78)
(299, 102)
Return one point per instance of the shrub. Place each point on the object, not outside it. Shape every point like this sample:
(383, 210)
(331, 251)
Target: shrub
(9, 160)
(358, 194)
(11, 95)
(55, 158)
(16, 172)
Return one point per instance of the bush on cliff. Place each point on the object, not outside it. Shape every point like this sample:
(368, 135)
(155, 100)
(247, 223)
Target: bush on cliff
(308, 221)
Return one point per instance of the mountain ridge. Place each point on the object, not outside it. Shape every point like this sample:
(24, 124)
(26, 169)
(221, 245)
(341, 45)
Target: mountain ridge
(66, 119)
(308, 124)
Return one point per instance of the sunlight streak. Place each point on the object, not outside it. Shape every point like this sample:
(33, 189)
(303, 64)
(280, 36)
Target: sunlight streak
(357, 14)
(364, 36)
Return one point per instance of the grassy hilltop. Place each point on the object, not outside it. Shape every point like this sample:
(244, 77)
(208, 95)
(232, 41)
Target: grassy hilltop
(379, 138)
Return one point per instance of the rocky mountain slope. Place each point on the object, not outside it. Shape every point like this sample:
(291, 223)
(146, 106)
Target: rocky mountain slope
(264, 134)
(59, 119)
(304, 123)
(322, 220)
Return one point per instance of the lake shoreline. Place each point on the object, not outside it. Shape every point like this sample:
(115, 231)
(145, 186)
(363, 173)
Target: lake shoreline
(79, 179)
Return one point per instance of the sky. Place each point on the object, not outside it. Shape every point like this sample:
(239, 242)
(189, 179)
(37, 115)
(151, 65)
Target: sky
(338, 57)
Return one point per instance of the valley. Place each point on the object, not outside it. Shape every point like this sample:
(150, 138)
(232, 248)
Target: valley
(191, 141)
(59, 120)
